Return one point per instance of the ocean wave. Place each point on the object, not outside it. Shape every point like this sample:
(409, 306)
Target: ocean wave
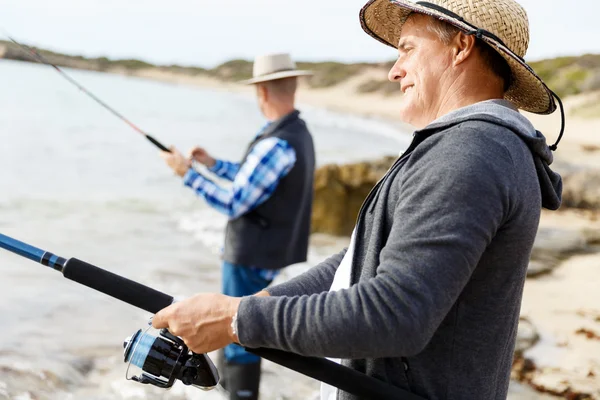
(61, 207)
(39, 377)
(365, 125)
(207, 226)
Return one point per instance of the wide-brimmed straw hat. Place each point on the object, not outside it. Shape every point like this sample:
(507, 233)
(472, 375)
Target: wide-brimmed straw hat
(502, 24)
(270, 67)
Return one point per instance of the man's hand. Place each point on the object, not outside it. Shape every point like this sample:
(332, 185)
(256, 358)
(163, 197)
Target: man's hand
(176, 161)
(201, 156)
(202, 321)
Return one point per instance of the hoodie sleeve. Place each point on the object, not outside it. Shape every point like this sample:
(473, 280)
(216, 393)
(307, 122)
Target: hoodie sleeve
(453, 199)
(316, 280)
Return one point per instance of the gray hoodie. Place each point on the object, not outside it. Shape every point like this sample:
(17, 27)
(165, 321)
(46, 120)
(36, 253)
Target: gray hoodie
(440, 260)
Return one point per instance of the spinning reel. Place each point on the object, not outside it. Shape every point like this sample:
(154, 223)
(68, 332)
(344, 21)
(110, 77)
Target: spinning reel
(165, 358)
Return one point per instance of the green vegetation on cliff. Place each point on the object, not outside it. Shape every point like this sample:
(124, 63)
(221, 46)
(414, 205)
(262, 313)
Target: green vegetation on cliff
(570, 75)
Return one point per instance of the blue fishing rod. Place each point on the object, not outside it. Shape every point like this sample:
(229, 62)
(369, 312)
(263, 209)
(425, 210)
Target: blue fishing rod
(40, 58)
(165, 358)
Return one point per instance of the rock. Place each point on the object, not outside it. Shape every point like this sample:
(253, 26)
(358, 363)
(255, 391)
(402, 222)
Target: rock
(552, 246)
(581, 189)
(340, 192)
(527, 336)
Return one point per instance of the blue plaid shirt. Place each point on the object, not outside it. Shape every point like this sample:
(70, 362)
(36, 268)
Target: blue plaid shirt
(254, 181)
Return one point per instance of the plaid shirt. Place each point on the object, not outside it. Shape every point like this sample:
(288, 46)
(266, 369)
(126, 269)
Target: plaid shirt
(254, 181)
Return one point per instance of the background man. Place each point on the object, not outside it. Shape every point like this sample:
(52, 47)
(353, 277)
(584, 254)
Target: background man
(269, 203)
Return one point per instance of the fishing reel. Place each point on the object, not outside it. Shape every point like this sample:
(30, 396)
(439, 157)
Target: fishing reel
(165, 358)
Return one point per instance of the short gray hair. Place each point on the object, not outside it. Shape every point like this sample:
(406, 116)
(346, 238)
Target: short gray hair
(282, 87)
(491, 57)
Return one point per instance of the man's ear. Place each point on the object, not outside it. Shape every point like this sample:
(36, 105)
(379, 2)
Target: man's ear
(262, 91)
(463, 47)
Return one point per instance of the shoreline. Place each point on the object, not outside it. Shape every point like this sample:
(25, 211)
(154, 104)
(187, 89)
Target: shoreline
(579, 142)
(579, 147)
(341, 98)
(578, 138)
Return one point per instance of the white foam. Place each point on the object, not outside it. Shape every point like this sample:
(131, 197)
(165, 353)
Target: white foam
(367, 125)
(128, 389)
(3, 389)
(207, 226)
(24, 396)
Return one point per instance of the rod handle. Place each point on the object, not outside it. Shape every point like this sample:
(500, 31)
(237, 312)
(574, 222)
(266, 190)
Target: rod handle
(157, 143)
(334, 374)
(116, 286)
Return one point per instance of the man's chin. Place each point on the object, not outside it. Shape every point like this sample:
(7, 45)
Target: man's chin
(406, 114)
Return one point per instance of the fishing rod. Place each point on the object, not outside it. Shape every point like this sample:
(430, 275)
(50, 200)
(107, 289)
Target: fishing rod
(165, 358)
(38, 56)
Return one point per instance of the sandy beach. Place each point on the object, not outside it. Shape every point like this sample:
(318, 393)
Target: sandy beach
(564, 305)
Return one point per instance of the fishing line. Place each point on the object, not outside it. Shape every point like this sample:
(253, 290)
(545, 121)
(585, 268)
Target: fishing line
(37, 56)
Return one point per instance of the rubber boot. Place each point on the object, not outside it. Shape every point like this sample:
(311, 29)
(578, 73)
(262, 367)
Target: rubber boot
(243, 381)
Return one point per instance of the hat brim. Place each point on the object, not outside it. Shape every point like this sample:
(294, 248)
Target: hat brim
(276, 75)
(384, 19)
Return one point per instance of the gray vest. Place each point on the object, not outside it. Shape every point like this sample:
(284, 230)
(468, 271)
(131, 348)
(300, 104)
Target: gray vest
(275, 234)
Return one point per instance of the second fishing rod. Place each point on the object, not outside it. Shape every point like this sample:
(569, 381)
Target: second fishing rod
(40, 58)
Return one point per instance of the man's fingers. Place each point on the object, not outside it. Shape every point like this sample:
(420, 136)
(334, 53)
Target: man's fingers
(160, 320)
(167, 154)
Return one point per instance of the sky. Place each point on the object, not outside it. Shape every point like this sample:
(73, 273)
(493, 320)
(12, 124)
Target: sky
(206, 33)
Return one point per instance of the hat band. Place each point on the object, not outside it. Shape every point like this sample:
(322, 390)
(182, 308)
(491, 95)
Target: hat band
(478, 32)
(275, 72)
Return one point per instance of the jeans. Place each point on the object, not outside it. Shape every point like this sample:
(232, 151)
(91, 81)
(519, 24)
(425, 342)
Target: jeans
(241, 281)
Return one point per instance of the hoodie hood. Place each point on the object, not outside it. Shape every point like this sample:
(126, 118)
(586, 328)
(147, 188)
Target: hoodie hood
(503, 113)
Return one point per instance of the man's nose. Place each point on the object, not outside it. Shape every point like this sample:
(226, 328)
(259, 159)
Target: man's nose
(396, 72)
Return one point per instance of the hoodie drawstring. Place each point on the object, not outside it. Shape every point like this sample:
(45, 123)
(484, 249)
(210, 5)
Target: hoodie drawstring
(562, 119)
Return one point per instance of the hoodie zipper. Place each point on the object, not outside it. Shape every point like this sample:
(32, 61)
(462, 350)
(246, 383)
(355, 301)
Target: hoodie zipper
(375, 189)
(407, 374)
(409, 150)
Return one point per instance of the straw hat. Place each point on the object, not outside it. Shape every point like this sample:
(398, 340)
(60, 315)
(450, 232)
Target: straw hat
(274, 66)
(502, 24)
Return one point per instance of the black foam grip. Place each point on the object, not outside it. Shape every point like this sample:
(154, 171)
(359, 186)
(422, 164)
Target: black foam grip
(336, 375)
(116, 286)
(157, 143)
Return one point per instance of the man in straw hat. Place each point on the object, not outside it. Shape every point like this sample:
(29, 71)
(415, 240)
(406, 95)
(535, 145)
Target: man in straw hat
(269, 203)
(427, 296)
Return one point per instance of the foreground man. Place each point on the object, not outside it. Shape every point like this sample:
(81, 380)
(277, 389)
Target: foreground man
(427, 296)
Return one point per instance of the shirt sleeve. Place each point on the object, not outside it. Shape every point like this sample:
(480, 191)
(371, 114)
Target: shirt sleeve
(268, 162)
(225, 169)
